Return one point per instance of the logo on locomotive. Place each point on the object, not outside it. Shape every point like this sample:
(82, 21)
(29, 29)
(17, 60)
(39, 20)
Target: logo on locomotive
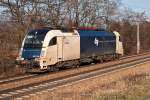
(96, 41)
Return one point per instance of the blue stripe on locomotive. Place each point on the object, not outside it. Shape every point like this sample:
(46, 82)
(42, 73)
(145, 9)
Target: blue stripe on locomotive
(29, 53)
(96, 43)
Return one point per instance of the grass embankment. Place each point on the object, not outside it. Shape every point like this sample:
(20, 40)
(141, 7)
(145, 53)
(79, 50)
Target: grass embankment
(132, 88)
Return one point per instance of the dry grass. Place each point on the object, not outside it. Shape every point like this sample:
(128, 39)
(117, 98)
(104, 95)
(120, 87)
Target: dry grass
(137, 89)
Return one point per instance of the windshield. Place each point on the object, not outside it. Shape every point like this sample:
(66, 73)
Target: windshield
(35, 38)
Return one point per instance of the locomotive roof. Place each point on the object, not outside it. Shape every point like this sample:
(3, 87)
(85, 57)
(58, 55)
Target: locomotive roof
(95, 33)
(82, 31)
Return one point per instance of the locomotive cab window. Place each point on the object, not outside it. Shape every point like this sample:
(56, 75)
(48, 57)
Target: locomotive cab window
(119, 38)
(53, 41)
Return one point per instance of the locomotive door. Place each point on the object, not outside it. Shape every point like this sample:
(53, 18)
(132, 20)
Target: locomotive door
(52, 51)
(59, 48)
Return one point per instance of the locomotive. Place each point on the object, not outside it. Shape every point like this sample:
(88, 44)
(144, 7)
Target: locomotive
(48, 49)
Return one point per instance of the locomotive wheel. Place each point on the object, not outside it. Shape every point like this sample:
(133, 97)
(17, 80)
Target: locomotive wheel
(53, 69)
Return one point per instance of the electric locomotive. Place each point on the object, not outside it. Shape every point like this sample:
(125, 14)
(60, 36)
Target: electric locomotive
(47, 49)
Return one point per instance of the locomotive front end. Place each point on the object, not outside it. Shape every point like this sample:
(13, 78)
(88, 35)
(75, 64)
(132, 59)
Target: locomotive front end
(32, 50)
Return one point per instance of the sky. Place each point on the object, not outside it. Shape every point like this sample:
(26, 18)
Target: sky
(138, 5)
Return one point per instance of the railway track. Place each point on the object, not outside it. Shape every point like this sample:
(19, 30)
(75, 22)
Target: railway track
(21, 87)
(135, 55)
(16, 78)
(11, 79)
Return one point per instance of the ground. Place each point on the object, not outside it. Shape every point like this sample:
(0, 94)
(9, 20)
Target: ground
(135, 90)
(130, 84)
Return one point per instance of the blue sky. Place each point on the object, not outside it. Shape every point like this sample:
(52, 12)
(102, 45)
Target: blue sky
(138, 5)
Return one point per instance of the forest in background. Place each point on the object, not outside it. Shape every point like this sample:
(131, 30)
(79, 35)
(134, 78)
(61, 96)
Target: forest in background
(19, 16)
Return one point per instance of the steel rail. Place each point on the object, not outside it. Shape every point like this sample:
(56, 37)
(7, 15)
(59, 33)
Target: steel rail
(10, 79)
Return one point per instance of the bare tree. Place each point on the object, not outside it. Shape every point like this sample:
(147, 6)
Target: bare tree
(58, 12)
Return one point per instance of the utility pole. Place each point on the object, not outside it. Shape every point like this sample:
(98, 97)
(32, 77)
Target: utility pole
(107, 13)
(138, 38)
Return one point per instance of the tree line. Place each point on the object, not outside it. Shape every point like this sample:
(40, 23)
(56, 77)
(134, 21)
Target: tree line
(28, 14)
(60, 12)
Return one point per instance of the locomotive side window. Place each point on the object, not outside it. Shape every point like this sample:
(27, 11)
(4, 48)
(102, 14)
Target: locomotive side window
(53, 41)
(119, 38)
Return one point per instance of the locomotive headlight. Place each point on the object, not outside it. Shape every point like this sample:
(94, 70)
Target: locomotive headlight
(19, 58)
(42, 53)
(37, 59)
